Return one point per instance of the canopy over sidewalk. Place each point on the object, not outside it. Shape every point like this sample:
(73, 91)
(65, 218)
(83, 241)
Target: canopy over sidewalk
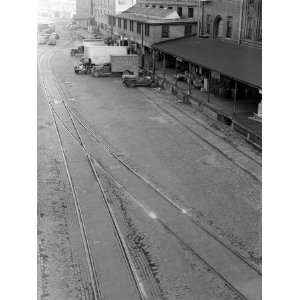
(238, 62)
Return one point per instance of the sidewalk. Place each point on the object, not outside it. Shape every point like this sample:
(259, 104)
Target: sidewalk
(219, 108)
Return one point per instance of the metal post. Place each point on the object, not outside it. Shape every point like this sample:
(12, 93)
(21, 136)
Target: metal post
(235, 98)
(164, 67)
(142, 45)
(189, 79)
(209, 83)
(153, 64)
(176, 66)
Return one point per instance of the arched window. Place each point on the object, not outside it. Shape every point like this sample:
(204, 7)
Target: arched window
(218, 27)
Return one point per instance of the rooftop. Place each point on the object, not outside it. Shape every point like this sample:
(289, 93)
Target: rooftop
(238, 62)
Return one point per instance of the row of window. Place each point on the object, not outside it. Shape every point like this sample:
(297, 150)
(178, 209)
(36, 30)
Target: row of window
(179, 10)
(165, 30)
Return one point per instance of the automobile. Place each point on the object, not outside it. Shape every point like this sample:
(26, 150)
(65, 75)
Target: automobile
(74, 26)
(132, 80)
(102, 70)
(43, 38)
(52, 41)
(78, 50)
(97, 36)
(84, 67)
(55, 35)
(48, 30)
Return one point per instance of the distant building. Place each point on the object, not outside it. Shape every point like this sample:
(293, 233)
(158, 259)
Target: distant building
(146, 25)
(84, 12)
(102, 9)
(44, 8)
(63, 8)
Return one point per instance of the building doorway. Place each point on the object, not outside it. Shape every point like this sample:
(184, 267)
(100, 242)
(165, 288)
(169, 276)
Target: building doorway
(218, 27)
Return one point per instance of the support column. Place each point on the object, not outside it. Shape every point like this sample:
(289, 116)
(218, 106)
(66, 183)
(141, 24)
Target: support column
(153, 64)
(235, 98)
(190, 79)
(209, 84)
(176, 67)
(164, 67)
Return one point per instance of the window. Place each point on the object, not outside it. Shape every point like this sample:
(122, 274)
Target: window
(229, 27)
(119, 22)
(190, 12)
(131, 25)
(161, 6)
(187, 30)
(153, 6)
(208, 24)
(165, 31)
(125, 24)
(170, 7)
(249, 28)
(147, 29)
(179, 11)
(139, 28)
(114, 21)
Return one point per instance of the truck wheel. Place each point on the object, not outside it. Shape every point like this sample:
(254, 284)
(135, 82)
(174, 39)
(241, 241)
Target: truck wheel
(76, 71)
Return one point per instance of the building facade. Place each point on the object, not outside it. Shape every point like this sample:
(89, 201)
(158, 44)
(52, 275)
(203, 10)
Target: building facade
(148, 25)
(83, 12)
(185, 8)
(251, 29)
(102, 9)
(221, 19)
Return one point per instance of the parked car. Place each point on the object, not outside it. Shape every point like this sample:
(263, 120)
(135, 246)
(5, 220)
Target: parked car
(52, 40)
(43, 38)
(132, 81)
(84, 67)
(102, 70)
(78, 50)
(55, 35)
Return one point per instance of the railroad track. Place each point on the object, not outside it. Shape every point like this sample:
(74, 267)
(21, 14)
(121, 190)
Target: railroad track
(184, 211)
(210, 144)
(154, 216)
(93, 275)
(97, 293)
(216, 134)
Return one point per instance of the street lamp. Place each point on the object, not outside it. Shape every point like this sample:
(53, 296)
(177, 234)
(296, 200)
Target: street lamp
(201, 4)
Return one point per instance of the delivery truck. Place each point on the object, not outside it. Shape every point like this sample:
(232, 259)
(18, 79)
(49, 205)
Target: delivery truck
(117, 65)
(108, 60)
(100, 54)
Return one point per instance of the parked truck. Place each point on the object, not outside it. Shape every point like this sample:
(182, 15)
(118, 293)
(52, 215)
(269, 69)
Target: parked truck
(108, 60)
(100, 54)
(117, 65)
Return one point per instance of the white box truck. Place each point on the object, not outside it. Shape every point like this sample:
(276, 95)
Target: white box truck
(117, 65)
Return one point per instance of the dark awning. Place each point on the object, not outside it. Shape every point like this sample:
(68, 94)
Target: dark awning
(238, 62)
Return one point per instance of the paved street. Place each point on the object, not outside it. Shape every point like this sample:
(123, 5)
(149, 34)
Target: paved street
(140, 197)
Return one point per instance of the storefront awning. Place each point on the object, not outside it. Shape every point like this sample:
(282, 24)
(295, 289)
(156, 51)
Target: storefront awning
(238, 62)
